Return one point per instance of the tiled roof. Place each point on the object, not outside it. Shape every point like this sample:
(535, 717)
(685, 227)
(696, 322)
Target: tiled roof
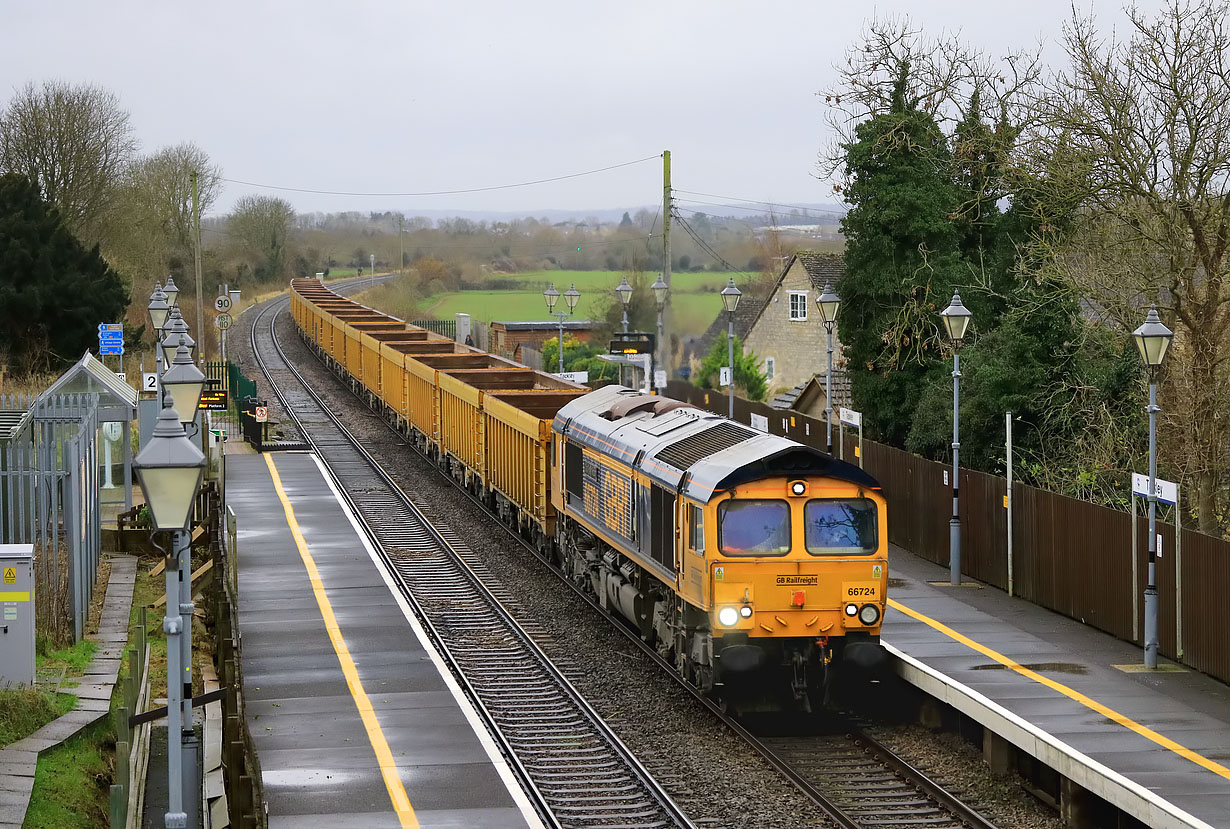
(745, 315)
(822, 268)
(841, 391)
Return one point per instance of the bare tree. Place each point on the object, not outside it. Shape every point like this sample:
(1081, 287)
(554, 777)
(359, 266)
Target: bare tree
(260, 226)
(943, 75)
(162, 182)
(74, 142)
(1144, 125)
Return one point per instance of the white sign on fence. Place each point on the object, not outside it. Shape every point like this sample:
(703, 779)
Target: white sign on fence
(724, 376)
(574, 376)
(760, 422)
(659, 379)
(850, 417)
(1167, 491)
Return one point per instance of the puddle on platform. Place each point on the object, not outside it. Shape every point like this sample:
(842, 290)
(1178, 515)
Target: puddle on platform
(897, 582)
(1040, 667)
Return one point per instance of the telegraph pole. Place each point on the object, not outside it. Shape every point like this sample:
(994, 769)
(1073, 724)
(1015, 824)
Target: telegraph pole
(401, 238)
(196, 236)
(663, 334)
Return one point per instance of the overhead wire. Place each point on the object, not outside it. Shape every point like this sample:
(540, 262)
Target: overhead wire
(459, 191)
(761, 201)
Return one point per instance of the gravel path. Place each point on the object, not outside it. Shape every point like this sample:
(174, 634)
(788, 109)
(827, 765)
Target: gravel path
(716, 777)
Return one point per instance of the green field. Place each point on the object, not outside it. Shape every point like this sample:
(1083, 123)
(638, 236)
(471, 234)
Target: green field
(694, 298)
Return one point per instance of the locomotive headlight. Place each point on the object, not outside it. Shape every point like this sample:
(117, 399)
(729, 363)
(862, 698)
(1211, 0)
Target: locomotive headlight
(746, 611)
(798, 487)
(869, 615)
(728, 616)
(852, 610)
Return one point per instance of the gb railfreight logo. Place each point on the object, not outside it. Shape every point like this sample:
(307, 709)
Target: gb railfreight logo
(798, 581)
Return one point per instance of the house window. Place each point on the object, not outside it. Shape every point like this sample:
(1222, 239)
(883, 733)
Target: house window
(798, 305)
(770, 367)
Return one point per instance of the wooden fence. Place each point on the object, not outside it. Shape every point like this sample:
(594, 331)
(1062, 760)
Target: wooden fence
(1069, 556)
(241, 768)
(131, 743)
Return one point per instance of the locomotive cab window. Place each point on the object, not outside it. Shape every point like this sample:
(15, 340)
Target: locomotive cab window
(696, 529)
(749, 527)
(840, 526)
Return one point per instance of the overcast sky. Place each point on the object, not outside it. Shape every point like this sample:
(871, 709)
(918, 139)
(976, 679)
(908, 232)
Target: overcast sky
(407, 97)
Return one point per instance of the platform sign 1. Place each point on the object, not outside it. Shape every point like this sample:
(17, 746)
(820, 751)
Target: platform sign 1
(1167, 491)
(724, 376)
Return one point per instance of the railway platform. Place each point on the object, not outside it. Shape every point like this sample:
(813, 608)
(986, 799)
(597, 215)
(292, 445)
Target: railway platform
(1155, 744)
(356, 720)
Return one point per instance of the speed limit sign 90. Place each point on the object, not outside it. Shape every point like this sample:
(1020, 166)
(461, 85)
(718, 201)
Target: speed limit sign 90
(222, 303)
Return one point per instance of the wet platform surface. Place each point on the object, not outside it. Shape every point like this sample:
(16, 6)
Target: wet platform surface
(1165, 733)
(321, 763)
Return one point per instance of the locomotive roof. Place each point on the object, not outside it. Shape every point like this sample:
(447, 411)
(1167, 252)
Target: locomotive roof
(688, 449)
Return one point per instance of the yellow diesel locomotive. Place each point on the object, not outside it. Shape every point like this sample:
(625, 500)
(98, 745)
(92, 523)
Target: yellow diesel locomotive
(754, 563)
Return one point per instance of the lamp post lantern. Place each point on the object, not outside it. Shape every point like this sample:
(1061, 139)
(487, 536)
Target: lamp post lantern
(624, 292)
(171, 291)
(956, 320)
(1153, 338)
(170, 469)
(552, 297)
(158, 313)
(828, 303)
(730, 301)
(177, 332)
(660, 293)
(184, 383)
(158, 307)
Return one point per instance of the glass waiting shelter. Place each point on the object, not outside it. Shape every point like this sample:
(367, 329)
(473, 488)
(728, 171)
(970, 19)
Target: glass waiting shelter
(117, 408)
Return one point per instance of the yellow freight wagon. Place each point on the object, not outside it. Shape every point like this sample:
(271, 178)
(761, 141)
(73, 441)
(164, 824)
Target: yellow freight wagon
(517, 432)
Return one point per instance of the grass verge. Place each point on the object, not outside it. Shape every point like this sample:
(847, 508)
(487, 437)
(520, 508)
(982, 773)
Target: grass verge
(71, 786)
(25, 710)
(72, 783)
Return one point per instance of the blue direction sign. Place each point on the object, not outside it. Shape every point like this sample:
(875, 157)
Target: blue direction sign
(110, 339)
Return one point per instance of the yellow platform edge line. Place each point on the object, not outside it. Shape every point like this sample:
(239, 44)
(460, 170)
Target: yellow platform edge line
(1070, 693)
(384, 756)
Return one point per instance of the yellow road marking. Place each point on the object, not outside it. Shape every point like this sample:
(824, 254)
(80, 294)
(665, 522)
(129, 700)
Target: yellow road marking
(388, 767)
(1093, 705)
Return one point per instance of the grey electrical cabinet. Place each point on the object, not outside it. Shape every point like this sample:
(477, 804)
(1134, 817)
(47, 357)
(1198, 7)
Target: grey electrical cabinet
(16, 614)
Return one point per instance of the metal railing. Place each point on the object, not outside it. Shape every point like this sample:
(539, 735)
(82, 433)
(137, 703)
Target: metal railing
(445, 328)
(50, 497)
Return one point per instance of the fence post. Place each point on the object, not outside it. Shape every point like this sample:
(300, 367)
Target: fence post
(119, 806)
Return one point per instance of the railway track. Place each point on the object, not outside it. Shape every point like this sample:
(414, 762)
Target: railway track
(575, 769)
(850, 776)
